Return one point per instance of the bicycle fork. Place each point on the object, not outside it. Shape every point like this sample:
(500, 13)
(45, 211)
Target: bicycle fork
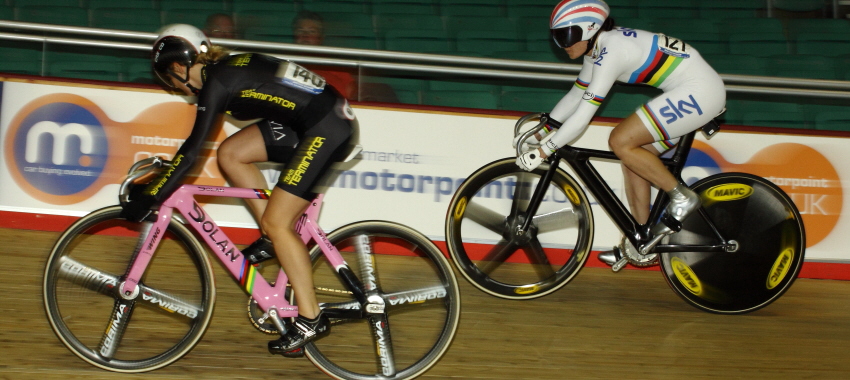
(127, 289)
(375, 305)
(537, 196)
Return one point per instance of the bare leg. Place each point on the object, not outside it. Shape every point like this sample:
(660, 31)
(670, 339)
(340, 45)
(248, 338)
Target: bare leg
(638, 193)
(236, 158)
(627, 140)
(278, 221)
(631, 142)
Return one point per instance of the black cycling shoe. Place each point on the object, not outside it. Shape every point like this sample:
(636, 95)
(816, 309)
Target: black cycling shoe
(259, 251)
(296, 353)
(301, 332)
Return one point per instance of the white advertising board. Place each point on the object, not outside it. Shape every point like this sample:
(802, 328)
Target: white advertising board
(66, 148)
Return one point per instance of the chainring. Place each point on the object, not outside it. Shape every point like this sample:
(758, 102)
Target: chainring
(260, 319)
(635, 257)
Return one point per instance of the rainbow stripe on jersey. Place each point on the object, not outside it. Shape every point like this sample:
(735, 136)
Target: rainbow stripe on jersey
(660, 133)
(581, 84)
(656, 68)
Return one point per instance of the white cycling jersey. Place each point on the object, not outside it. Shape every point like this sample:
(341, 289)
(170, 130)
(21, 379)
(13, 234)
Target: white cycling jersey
(693, 92)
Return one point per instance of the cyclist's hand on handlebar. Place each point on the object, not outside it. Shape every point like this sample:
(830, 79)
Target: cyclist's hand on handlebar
(529, 144)
(139, 206)
(529, 161)
(533, 141)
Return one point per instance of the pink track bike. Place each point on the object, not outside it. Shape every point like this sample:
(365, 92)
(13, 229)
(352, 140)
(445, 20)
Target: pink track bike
(133, 297)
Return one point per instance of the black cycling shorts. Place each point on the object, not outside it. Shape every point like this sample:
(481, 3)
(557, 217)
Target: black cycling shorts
(280, 140)
(308, 155)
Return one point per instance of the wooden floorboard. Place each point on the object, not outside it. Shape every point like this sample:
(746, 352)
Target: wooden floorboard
(603, 325)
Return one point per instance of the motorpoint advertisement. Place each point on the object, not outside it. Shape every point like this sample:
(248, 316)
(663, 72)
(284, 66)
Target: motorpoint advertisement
(66, 148)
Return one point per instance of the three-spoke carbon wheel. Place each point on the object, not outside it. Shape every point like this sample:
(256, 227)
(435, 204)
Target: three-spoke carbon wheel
(414, 303)
(143, 332)
(771, 243)
(482, 223)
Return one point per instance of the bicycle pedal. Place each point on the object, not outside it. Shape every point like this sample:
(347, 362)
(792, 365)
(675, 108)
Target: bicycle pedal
(620, 264)
(672, 223)
(296, 353)
(666, 225)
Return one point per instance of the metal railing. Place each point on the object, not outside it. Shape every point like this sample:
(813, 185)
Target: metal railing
(410, 63)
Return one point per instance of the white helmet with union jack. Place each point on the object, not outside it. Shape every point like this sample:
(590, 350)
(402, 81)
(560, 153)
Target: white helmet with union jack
(577, 20)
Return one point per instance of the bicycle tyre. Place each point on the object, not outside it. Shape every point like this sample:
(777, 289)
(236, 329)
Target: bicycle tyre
(558, 244)
(421, 327)
(167, 318)
(771, 239)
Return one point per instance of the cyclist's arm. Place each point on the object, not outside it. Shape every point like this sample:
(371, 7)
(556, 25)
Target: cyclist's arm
(565, 107)
(568, 104)
(601, 81)
(210, 105)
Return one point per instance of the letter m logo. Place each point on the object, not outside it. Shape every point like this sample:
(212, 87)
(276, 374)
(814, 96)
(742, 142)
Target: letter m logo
(60, 135)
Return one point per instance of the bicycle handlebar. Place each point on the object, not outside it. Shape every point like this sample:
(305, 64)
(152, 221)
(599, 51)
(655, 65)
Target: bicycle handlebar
(139, 170)
(530, 132)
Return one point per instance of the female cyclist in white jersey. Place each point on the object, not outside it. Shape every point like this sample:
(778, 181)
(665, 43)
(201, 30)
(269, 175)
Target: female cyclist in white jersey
(693, 94)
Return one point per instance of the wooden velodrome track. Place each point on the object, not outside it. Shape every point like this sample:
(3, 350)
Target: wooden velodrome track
(603, 325)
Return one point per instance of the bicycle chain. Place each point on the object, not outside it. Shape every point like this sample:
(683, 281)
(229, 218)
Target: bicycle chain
(335, 291)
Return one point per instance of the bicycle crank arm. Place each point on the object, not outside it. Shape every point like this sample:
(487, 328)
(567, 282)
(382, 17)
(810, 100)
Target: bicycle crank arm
(647, 248)
(278, 323)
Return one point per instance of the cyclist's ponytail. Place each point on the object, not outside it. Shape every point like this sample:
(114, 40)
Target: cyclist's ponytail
(214, 54)
(606, 26)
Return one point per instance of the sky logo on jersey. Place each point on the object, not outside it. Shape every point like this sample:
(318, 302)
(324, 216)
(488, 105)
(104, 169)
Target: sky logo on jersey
(674, 112)
(60, 148)
(600, 57)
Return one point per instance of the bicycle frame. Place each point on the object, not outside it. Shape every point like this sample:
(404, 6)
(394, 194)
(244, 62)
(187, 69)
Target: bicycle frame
(639, 235)
(270, 298)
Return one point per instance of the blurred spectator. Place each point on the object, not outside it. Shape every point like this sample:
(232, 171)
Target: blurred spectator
(309, 29)
(220, 25)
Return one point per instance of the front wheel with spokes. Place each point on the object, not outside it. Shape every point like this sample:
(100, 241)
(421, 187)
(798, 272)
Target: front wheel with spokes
(414, 303)
(157, 326)
(485, 213)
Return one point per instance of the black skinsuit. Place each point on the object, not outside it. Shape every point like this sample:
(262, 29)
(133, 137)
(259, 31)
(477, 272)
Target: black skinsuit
(296, 106)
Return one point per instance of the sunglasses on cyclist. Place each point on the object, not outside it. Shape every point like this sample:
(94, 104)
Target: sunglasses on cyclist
(566, 37)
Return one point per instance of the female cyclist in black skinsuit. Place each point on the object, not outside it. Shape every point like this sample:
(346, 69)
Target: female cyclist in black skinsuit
(306, 124)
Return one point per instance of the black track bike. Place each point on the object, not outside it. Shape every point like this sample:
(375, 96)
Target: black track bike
(521, 235)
